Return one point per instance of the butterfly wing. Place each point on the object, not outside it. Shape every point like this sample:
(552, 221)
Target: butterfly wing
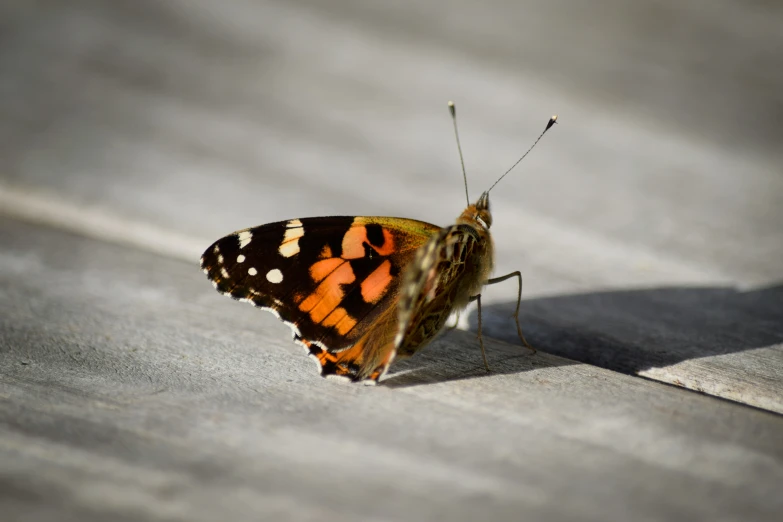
(334, 280)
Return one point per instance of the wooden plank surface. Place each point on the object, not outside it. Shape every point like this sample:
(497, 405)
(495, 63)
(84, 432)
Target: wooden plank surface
(168, 125)
(130, 391)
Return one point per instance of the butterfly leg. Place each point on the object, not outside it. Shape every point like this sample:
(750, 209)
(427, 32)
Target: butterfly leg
(477, 298)
(500, 279)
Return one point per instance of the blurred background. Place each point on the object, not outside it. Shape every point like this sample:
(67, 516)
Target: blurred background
(169, 124)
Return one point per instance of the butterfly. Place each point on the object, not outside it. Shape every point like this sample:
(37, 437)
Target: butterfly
(359, 292)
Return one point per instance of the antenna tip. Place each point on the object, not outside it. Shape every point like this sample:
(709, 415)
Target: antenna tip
(552, 121)
(452, 109)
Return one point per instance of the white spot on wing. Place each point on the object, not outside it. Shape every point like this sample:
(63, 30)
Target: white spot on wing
(290, 245)
(274, 276)
(319, 345)
(240, 258)
(289, 249)
(244, 238)
(273, 312)
(252, 271)
(313, 357)
(220, 258)
(224, 272)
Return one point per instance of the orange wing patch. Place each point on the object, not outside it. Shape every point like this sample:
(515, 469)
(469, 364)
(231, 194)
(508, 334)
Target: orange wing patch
(340, 319)
(387, 247)
(321, 269)
(328, 294)
(377, 283)
(353, 243)
(358, 236)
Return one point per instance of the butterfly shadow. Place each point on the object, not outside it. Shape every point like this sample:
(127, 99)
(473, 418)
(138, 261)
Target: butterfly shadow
(634, 330)
(626, 331)
(456, 355)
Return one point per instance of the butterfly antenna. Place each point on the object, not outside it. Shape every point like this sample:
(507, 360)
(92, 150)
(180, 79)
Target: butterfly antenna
(453, 112)
(549, 125)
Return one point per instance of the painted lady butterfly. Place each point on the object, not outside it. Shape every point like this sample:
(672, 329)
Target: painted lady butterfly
(359, 291)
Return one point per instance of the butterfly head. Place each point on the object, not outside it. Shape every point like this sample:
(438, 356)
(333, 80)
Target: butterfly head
(478, 214)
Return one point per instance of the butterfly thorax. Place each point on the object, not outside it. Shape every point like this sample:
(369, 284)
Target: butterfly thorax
(446, 272)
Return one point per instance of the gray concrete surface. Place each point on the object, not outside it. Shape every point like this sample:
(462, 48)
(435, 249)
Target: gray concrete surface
(648, 225)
